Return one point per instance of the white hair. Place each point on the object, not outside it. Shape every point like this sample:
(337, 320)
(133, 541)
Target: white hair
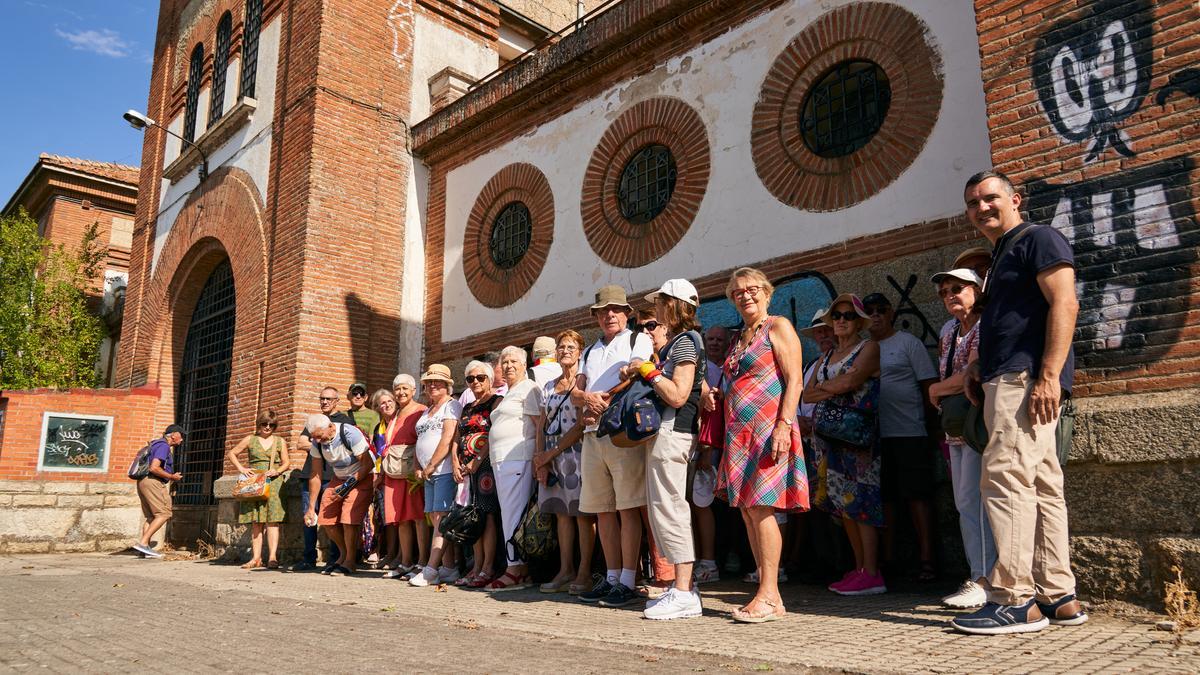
(316, 421)
(476, 364)
(404, 378)
(521, 354)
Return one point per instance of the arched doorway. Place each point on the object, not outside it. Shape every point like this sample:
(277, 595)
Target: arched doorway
(201, 406)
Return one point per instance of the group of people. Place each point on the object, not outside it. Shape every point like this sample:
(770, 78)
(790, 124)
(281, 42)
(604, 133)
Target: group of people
(842, 444)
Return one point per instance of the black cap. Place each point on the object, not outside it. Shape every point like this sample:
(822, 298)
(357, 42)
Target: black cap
(173, 429)
(357, 385)
(876, 299)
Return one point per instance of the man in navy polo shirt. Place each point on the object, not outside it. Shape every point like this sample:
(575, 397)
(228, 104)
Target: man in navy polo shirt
(1026, 367)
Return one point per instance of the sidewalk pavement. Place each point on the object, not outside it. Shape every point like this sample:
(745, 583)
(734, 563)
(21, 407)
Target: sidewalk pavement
(94, 612)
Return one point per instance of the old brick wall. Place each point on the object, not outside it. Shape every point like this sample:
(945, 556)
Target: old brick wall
(1094, 110)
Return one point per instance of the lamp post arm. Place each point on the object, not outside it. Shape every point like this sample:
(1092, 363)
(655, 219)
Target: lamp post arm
(203, 157)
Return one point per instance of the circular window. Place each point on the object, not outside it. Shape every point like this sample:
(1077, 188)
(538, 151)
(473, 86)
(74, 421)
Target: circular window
(845, 108)
(647, 183)
(510, 237)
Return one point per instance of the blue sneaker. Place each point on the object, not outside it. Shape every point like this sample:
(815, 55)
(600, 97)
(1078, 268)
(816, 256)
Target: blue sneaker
(600, 591)
(1055, 611)
(997, 619)
(619, 596)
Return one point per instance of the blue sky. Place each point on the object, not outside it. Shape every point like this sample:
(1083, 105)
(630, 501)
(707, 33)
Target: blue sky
(68, 69)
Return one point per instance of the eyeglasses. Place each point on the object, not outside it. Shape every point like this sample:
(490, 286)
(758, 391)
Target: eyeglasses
(650, 326)
(843, 316)
(751, 291)
(952, 290)
(268, 425)
(328, 398)
(567, 348)
(874, 310)
(476, 378)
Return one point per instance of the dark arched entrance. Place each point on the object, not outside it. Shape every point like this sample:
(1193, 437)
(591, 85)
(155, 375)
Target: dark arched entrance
(201, 406)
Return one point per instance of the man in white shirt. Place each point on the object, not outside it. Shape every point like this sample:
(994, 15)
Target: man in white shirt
(545, 367)
(348, 494)
(614, 479)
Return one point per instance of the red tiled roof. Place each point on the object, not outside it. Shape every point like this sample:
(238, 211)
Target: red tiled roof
(118, 172)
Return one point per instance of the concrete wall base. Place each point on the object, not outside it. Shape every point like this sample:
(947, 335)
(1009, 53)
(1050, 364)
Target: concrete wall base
(58, 516)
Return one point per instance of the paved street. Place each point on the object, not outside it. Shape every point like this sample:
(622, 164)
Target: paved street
(110, 613)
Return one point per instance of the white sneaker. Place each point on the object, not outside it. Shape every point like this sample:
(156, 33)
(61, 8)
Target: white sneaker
(664, 595)
(427, 576)
(448, 575)
(970, 594)
(675, 604)
(706, 574)
(147, 551)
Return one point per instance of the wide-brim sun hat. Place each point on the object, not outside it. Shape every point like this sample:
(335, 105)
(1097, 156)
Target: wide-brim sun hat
(816, 321)
(961, 273)
(851, 298)
(611, 295)
(437, 371)
(973, 252)
(677, 288)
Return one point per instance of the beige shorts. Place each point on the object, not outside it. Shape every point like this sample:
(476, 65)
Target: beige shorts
(614, 479)
(155, 496)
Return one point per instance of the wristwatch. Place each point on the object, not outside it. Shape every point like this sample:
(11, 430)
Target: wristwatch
(656, 378)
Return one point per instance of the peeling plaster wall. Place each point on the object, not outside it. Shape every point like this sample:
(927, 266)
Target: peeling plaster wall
(436, 46)
(249, 148)
(721, 80)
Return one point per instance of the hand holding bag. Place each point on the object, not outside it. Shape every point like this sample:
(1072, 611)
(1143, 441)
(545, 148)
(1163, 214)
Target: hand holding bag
(256, 487)
(400, 461)
(843, 420)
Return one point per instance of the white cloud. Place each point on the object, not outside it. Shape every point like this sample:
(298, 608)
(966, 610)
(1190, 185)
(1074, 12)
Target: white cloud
(104, 42)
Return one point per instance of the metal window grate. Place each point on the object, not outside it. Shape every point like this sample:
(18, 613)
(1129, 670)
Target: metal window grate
(216, 106)
(511, 234)
(250, 31)
(845, 109)
(647, 183)
(195, 70)
(202, 404)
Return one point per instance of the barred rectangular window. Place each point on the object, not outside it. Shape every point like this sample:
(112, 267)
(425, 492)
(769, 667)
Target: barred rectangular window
(250, 33)
(195, 70)
(216, 106)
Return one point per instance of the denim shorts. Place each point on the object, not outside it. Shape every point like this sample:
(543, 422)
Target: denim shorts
(439, 493)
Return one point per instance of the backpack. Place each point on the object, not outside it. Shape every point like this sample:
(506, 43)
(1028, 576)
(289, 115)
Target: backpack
(535, 537)
(139, 468)
(632, 417)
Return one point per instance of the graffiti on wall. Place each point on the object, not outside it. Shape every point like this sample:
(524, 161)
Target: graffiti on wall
(1134, 232)
(796, 297)
(909, 316)
(1094, 72)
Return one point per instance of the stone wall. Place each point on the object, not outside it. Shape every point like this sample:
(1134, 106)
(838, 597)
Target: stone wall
(44, 516)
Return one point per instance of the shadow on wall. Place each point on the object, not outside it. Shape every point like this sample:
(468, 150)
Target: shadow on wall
(796, 297)
(374, 343)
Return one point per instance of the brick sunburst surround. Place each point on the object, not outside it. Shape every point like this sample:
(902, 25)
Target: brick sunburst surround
(491, 284)
(892, 38)
(665, 121)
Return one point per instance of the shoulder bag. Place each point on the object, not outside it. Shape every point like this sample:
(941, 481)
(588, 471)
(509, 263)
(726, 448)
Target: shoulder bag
(256, 487)
(535, 537)
(843, 421)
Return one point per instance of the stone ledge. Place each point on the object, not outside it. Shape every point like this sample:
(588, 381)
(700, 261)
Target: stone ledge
(24, 486)
(1135, 428)
(212, 139)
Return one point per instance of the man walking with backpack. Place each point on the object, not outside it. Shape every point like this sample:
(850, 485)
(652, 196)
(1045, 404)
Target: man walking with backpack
(154, 488)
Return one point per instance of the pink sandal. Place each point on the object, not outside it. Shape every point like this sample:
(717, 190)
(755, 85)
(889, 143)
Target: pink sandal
(481, 580)
(467, 580)
(507, 582)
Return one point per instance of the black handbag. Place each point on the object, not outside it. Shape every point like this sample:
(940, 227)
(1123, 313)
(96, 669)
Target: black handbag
(840, 420)
(954, 414)
(464, 524)
(535, 537)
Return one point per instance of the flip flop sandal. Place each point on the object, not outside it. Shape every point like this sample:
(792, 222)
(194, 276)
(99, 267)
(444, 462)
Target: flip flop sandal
(742, 616)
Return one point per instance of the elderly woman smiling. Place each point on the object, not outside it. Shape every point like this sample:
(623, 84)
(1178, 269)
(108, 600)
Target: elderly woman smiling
(512, 439)
(848, 476)
(473, 465)
(763, 467)
(436, 430)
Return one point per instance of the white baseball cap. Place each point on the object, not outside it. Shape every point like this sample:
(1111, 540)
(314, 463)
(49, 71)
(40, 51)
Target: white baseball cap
(678, 288)
(962, 274)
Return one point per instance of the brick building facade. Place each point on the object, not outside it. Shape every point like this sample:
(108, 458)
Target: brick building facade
(350, 220)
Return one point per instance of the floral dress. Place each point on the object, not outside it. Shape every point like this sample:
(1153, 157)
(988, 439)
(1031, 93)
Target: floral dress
(753, 393)
(964, 345)
(560, 417)
(269, 510)
(477, 418)
(847, 482)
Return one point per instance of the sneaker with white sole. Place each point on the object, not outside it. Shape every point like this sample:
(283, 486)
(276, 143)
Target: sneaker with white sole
(448, 575)
(147, 551)
(997, 619)
(970, 594)
(706, 574)
(425, 577)
(675, 604)
(863, 584)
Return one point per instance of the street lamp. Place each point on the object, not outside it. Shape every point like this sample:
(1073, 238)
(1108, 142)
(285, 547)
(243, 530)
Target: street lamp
(140, 122)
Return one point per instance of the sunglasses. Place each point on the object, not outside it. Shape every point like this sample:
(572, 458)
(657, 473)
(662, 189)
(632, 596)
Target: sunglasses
(268, 425)
(476, 378)
(328, 398)
(952, 290)
(650, 326)
(843, 316)
(358, 394)
(876, 310)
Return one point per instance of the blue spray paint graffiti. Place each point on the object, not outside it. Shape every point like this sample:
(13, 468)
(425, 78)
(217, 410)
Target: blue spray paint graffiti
(796, 297)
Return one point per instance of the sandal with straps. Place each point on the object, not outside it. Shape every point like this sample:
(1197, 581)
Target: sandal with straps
(508, 582)
(252, 565)
(742, 615)
(482, 579)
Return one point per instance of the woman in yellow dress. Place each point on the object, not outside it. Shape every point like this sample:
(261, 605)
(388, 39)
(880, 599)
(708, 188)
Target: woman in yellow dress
(265, 453)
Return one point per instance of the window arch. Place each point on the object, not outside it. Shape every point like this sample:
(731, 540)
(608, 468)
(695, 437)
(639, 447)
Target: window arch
(195, 70)
(216, 106)
(250, 31)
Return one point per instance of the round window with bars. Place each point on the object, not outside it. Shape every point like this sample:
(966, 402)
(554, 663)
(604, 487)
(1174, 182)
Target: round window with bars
(647, 183)
(511, 233)
(845, 109)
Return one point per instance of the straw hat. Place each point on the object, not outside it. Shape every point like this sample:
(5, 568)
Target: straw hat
(543, 346)
(845, 297)
(973, 252)
(437, 371)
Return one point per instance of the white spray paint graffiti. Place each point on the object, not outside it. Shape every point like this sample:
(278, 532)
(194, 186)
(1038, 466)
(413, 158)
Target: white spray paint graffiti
(402, 46)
